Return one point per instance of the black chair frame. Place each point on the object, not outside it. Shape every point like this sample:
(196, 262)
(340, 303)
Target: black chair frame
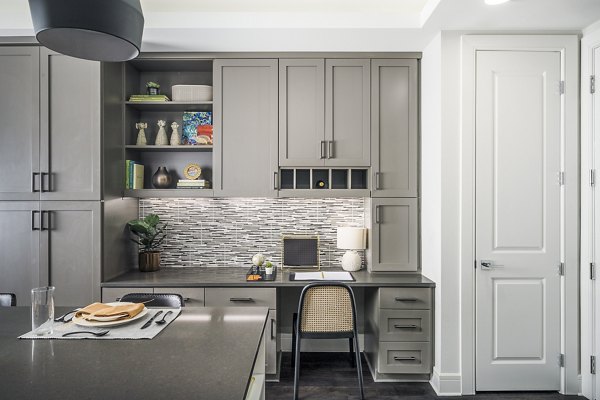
(153, 300)
(8, 300)
(352, 336)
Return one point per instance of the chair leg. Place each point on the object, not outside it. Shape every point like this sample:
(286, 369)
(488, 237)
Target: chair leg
(297, 368)
(294, 322)
(358, 365)
(351, 350)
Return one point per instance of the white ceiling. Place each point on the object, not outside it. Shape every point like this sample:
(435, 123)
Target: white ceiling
(342, 25)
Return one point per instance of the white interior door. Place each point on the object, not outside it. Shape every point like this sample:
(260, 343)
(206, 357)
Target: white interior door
(518, 143)
(595, 233)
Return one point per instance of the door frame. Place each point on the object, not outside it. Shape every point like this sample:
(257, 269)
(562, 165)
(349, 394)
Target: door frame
(568, 46)
(589, 44)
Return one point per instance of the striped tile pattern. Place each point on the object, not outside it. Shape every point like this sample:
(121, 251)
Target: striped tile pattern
(226, 232)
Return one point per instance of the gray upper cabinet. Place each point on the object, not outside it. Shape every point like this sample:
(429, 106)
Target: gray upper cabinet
(19, 248)
(70, 128)
(19, 123)
(302, 112)
(245, 127)
(394, 128)
(394, 238)
(70, 251)
(347, 112)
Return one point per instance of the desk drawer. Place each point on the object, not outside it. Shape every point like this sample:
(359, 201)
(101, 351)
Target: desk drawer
(193, 297)
(405, 298)
(404, 325)
(404, 358)
(241, 297)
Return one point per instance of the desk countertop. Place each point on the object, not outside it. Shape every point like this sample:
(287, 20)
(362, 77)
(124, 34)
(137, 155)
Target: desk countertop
(236, 277)
(206, 353)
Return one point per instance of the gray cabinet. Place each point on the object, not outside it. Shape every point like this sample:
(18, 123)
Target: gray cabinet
(245, 127)
(19, 249)
(19, 123)
(70, 127)
(324, 114)
(394, 128)
(394, 238)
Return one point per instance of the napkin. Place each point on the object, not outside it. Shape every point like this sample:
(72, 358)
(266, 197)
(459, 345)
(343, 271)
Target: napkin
(104, 312)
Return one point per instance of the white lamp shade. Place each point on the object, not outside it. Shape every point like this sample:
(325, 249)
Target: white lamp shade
(351, 238)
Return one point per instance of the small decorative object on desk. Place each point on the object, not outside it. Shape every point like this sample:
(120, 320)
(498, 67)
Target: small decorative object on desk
(141, 137)
(258, 259)
(269, 268)
(197, 128)
(152, 88)
(175, 139)
(351, 239)
(161, 137)
(149, 235)
(162, 178)
(192, 171)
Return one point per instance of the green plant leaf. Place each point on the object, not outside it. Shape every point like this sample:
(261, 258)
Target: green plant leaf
(152, 220)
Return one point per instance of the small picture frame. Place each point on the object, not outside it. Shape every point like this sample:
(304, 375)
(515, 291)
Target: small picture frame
(192, 171)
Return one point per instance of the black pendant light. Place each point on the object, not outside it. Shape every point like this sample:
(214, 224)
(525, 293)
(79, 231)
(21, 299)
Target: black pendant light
(101, 30)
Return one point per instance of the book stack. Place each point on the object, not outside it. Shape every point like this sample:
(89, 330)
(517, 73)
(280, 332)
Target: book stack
(148, 97)
(134, 175)
(193, 184)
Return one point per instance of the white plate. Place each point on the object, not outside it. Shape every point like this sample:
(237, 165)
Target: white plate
(101, 324)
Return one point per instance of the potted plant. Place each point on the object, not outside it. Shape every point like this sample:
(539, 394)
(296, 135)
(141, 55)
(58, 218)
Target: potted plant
(149, 235)
(269, 268)
(152, 88)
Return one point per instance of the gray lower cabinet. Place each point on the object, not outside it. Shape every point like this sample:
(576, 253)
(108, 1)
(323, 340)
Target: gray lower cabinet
(110, 295)
(51, 243)
(394, 236)
(245, 127)
(19, 123)
(394, 128)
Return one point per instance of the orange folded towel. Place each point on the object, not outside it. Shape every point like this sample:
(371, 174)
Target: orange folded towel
(104, 312)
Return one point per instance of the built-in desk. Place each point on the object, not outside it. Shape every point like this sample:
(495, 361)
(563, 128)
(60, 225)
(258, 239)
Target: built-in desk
(395, 310)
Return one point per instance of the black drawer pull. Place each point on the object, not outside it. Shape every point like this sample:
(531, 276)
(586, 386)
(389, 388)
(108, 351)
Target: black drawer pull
(186, 299)
(406, 300)
(405, 358)
(242, 299)
(405, 326)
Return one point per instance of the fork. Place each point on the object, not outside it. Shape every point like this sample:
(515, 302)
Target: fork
(98, 333)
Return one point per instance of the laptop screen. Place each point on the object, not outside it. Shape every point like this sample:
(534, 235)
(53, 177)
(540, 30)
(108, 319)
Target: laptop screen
(301, 251)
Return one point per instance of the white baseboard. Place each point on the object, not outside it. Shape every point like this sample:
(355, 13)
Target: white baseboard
(320, 345)
(446, 384)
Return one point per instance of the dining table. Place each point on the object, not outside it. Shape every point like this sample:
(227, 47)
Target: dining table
(206, 353)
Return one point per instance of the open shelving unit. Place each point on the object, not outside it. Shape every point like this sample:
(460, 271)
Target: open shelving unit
(316, 182)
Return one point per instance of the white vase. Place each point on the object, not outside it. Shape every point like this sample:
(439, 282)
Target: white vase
(161, 137)
(175, 139)
(141, 137)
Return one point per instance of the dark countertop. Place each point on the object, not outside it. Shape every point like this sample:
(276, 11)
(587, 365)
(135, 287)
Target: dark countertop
(236, 277)
(206, 353)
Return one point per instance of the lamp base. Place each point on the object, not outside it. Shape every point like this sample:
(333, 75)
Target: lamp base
(351, 261)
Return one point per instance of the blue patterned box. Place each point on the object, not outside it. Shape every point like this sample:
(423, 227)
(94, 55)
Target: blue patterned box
(191, 121)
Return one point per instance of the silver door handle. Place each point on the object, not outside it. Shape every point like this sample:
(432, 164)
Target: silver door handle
(486, 265)
(323, 149)
(275, 183)
(377, 180)
(330, 152)
(377, 215)
(405, 358)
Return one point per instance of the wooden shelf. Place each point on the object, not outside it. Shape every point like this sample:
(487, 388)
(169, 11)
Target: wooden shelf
(170, 105)
(182, 148)
(165, 193)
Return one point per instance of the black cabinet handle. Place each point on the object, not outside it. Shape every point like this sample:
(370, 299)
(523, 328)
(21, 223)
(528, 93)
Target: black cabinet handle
(34, 188)
(272, 328)
(33, 214)
(405, 326)
(241, 299)
(45, 188)
(46, 217)
(405, 299)
(405, 358)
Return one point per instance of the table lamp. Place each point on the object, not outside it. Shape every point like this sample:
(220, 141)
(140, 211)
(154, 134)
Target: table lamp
(351, 239)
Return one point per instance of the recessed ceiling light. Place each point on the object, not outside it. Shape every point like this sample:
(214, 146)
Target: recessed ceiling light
(495, 2)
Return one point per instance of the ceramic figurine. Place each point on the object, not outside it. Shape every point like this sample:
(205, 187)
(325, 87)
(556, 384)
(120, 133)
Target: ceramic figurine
(175, 139)
(161, 138)
(141, 137)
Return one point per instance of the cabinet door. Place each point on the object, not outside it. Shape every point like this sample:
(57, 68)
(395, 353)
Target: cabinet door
(271, 343)
(393, 242)
(245, 123)
(19, 249)
(70, 127)
(19, 123)
(394, 128)
(347, 113)
(301, 112)
(70, 250)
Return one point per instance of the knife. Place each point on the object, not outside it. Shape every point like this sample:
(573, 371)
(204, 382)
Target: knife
(149, 322)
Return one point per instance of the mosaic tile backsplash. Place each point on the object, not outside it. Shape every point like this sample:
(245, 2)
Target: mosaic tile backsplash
(226, 232)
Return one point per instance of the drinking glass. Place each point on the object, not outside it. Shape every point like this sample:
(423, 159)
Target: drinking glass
(42, 310)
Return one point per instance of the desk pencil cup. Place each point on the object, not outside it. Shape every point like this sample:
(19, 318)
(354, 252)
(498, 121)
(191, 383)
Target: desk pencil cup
(42, 310)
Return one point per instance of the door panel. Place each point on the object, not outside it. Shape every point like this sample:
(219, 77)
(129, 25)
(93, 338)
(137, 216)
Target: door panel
(518, 220)
(347, 112)
(70, 126)
(245, 110)
(301, 112)
(19, 249)
(394, 128)
(19, 123)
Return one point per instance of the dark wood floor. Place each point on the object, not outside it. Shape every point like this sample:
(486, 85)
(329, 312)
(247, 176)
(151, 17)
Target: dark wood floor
(329, 376)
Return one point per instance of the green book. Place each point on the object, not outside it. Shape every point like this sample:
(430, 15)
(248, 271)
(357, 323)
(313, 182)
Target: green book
(127, 162)
(130, 180)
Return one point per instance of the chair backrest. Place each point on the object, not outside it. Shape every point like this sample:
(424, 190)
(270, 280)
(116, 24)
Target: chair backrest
(8, 300)
(326, 307)
(155, 299)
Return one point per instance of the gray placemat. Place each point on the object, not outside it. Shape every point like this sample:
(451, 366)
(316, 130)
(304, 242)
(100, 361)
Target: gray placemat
(128, 331)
